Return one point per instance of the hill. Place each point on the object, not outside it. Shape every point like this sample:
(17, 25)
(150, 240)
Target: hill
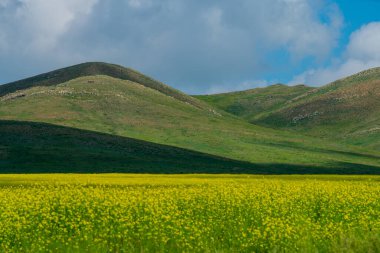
(255, 103)
(91, 69)
(119, 107)
(347, 110)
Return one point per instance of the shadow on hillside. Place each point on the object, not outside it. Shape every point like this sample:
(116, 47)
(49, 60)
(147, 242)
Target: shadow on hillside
(29, 147)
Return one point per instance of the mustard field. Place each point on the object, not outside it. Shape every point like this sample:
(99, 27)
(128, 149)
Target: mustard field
(189, 213)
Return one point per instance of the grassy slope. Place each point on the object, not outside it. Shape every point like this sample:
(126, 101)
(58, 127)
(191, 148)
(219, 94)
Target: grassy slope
(90, 69)
(347, 110)
(41, 147)
(29, 147)
(125, 108)
(255, 103)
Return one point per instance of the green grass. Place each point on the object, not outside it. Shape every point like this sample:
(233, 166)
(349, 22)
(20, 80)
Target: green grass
(347, 110)
(90, 69)
(127, 109)
(188, 213)
(28, 147)
(255, 103)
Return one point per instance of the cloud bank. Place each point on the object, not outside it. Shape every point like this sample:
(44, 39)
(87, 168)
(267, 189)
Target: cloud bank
(361, 53)
(196, 46)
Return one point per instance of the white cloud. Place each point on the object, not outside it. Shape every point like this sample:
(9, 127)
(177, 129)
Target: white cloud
(213, 19)
(362, 52)
(365, 43)
(180, 42)
(37, 25)
(139, 3)
(296, 24)
(4, 3)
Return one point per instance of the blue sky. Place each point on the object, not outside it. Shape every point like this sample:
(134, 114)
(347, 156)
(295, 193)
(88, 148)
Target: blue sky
(198, 47)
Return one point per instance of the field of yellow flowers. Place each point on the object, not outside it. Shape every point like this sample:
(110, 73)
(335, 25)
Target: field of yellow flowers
(189, 213)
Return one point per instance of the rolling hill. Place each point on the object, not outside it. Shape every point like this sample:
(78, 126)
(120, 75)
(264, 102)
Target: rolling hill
(110, 100)
(90, 69)
(255, 103)
(347, 110)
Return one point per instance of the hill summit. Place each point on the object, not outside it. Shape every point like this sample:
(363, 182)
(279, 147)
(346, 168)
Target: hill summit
(347, 110)
(93, 69)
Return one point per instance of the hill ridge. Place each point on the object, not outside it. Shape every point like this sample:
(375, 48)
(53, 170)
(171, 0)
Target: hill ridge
(252, 103)
(366, 72)
(62, 75)
(352, 80)
(347, 109)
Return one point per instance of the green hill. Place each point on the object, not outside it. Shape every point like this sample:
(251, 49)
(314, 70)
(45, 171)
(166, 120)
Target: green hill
(90, 69)
(255, 103)
(105, 103)
(347, 110)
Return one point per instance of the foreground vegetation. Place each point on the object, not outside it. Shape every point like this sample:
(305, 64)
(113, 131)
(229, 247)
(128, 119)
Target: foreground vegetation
(189, 213)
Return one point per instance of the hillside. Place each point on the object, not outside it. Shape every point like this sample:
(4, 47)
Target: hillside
(28, 147)
(123, 108)
(255, 103)
(91, 69)
(347, 110)
(40, 147)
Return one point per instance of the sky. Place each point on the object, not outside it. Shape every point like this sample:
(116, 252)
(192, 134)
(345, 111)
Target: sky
(199, 47)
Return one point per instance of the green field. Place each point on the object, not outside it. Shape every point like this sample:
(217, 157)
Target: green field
(189, 213)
